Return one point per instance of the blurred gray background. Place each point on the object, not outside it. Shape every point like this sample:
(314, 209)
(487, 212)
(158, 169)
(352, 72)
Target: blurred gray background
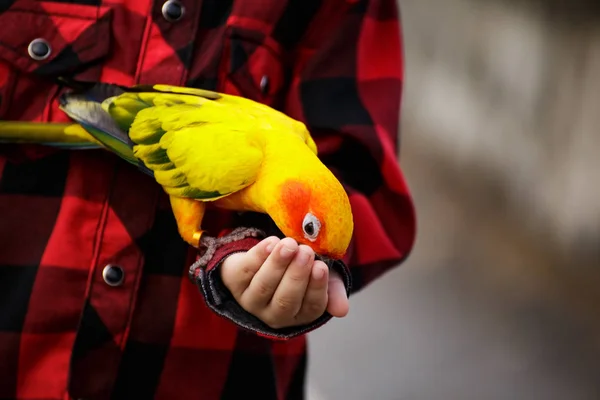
(500, 145)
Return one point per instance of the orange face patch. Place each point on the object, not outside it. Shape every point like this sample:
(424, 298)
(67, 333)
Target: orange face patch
(297, 200)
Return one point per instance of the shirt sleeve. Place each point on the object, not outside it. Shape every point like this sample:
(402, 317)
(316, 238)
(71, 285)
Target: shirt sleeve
(348, 93)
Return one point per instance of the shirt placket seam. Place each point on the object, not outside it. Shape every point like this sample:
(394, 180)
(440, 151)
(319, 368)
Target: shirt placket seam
(102, 223)
(138, 277)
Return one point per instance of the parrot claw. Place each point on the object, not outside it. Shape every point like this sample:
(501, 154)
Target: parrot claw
(211, 244)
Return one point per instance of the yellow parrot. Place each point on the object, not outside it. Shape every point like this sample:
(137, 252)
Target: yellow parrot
(202, 146)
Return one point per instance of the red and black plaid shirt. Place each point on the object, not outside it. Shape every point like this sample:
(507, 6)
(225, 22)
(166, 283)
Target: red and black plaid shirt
(65, 215)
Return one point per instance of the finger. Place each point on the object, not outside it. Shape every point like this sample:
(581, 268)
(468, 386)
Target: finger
(238, 269)
(315, 299)
(288, 297)
(264, 283)
(338, 304)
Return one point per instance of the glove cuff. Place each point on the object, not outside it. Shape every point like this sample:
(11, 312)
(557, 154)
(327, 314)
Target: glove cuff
(220, 300)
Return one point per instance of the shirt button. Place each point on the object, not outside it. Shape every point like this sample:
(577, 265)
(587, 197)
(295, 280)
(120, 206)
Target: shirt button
(264, 84)
(173, 10)
(39, 49)
(113, 275)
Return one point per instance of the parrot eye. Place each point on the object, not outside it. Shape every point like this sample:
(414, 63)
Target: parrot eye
(311, 227)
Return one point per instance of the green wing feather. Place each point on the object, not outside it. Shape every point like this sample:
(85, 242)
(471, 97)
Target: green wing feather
(100, 125)
(196, 143)
(188, 140)
(195, 148)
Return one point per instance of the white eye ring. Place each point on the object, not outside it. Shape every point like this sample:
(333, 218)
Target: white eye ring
(311, 227)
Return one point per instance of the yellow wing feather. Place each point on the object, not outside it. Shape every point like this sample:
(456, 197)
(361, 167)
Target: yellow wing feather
(197, 151)
(200, 96)
(287, 124)
(200, 144)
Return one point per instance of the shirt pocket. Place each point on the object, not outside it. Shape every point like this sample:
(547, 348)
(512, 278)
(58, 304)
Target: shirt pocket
(252, 67)
(40, 41)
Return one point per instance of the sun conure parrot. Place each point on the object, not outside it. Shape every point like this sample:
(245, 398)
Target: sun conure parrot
(202, 146)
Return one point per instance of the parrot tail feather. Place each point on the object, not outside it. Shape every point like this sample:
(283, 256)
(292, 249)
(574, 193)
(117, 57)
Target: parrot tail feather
(92, 91)
(94, 119)
(62, 135)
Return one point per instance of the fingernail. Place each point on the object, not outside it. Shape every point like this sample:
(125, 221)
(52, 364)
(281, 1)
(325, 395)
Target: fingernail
(303, 258)
(287, 251)
(318, 273)
(270, 247)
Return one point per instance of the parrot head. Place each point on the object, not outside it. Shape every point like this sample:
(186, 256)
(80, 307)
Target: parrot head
(316, 212)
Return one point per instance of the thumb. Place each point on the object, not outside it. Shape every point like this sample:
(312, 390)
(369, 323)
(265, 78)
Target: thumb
(338, 304)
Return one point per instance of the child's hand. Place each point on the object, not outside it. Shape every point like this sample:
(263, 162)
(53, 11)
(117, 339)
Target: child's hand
(282, 284)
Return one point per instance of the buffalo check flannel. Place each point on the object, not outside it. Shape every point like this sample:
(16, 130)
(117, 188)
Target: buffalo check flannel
(64, 215)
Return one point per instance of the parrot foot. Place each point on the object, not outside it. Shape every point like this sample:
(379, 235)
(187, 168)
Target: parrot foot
(211, 244)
